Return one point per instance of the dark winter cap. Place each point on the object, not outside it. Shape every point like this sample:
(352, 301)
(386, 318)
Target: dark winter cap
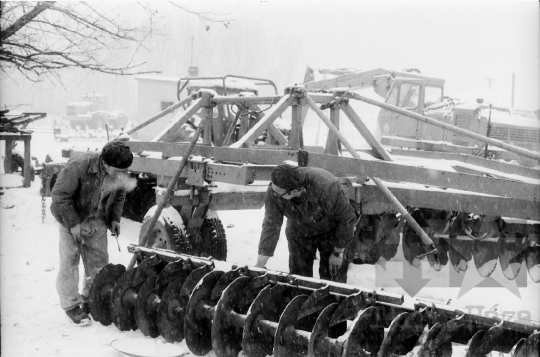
(287, 177)
(117, 154)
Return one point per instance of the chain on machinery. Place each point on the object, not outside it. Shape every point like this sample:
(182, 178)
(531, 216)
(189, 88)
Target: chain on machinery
(43, 213)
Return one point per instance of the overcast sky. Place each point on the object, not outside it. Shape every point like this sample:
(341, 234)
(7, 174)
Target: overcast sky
(470, 44)
(467, 43)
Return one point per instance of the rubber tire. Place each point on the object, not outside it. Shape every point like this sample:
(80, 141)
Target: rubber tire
(214, 239)
(161, 236)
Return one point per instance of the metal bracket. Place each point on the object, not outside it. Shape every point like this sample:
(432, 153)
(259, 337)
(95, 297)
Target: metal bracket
(196, 172)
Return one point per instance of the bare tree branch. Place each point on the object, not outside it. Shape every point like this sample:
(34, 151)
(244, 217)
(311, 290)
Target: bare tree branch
(39, 39)
(26, 18)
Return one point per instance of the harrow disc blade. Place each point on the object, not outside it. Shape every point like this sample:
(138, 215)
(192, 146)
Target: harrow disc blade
(388, 236)
(222, 284)
(403, 334)
(101, 291)
(250, 292)
(169, 274)
(365, 336)
(172, 308)
(349, 308)
(474, 344)
(511, 255)
(170, 316)
(268, 305)
(365, 236)
(460, 253)
(122, 314)
(320, 331)
(288, 321)
(412, 246)
(531, 347)
(485, 257)
(226, 338)
(532, 259)
(430, 348)
(316, 302)
(197, 325)
(145, 318)
(517, 349)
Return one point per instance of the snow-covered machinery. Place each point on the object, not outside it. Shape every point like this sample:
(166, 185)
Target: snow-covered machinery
(482, 203)
(93, 113)
(425, 95)
(12, 130)
(262, 313)
(441, 207)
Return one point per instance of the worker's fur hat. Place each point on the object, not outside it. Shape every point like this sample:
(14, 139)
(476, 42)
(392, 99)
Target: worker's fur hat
(287, 177)
(117, 154)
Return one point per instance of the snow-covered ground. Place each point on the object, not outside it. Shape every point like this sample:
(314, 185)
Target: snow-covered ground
(34, 325)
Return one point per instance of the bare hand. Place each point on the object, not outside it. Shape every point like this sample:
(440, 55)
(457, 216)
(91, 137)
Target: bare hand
(334, 263)
(76, 233)
(115, 228)
(261, 261)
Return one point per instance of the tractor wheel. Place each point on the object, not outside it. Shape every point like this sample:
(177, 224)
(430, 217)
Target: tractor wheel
(98, 121)
(167, 233)
(213, 235)
(120, 121)
(210, 239)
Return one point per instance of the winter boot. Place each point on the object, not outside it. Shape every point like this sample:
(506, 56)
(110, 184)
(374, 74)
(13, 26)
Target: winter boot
(79, 317)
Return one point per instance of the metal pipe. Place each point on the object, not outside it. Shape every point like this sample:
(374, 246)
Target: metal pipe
(129, 298)
(425, 238)
(246, 100)
(455, 129)
(152, 303)
(190, 111)
(258, 128)
(168, 110)
(170, 187)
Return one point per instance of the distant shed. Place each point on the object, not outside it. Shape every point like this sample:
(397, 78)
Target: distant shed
(154, 94)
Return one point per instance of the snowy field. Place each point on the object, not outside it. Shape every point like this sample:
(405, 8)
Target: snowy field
(34, 325)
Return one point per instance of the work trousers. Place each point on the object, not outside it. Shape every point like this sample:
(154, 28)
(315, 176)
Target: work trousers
(302, 251)
(94, 256)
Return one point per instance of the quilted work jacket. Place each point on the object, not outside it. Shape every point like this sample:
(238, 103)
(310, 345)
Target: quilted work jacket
(325, 209)
(77, 192)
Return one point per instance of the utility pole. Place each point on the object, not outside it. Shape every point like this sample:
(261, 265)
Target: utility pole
(191, 63)
(489, 82)
(513, 87)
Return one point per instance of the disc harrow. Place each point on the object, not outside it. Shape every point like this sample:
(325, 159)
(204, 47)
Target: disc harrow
(265, 313)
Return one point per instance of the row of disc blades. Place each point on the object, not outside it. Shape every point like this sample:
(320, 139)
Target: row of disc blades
(234, 310)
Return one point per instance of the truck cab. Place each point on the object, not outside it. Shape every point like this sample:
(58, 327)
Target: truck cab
(413, 94)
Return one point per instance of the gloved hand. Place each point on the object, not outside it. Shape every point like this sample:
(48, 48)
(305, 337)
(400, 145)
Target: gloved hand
(334, 263)
(115, 228)
(76, 233)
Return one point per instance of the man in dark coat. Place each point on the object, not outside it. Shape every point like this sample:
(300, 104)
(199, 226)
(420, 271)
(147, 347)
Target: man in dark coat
(319, 217)
(88, 198)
